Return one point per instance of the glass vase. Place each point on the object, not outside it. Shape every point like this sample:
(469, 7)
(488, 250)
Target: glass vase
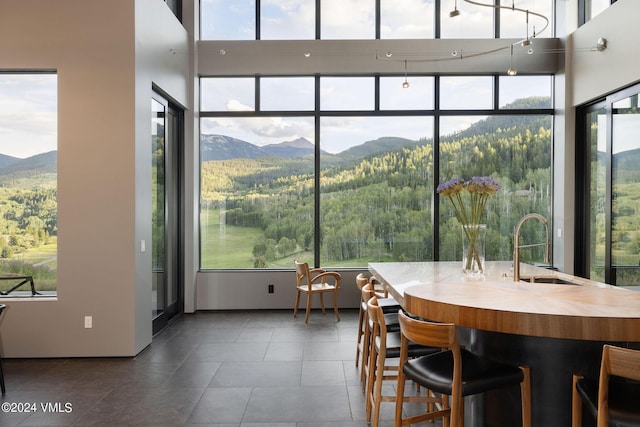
(473, 241)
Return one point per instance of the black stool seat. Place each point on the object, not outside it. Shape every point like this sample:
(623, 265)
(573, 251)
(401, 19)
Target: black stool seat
(478, 373)
(624, 401)
(389, 305)
(390, 319)
(394, 341)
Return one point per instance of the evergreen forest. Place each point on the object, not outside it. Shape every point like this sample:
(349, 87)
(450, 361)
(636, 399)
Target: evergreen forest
(377, 207)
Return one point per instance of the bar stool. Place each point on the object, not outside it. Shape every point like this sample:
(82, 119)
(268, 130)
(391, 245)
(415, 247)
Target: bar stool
(391, 306)
(386, 345)
(391, 324)
(610, 402)
(386, 302)
(361, 280)
(453, 372)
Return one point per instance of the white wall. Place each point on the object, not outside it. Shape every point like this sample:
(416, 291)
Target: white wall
(598, 73)
(103, 197)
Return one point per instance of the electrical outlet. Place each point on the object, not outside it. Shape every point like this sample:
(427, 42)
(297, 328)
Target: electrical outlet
(271, 289)
(88, 322)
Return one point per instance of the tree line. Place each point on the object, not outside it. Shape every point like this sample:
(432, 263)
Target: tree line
(379, 207)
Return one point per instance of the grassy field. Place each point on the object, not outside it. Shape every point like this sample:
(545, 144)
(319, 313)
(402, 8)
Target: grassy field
(228, 246)
(40, 262)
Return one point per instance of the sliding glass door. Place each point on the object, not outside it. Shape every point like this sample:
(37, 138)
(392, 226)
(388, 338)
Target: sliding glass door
(609, 156)
(165, 142)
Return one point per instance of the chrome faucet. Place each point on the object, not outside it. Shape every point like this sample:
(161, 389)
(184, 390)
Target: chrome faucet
(517, 247)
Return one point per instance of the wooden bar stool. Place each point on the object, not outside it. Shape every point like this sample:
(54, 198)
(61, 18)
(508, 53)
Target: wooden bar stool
(391, 323)
(452, 372)
(386, 345)
(612, 402)
(361, 280)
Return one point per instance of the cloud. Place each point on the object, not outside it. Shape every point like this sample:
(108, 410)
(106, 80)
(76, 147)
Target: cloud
(235, 105)
(28, 114)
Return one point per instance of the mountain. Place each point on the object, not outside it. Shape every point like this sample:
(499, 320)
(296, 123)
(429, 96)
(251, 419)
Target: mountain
(222, 147)
(7, 160)
(297, 148)
(40, 163)
(380, 145)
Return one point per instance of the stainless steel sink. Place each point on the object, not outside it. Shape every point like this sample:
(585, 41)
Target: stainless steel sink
(548, 279)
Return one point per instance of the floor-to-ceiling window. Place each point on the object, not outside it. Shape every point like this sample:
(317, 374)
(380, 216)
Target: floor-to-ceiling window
(28, 181)
(341, 171)
(608, 156)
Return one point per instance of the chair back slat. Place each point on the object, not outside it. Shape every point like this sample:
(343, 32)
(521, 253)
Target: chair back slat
(618, 361)
(622, 362)
(302, 273)
(426, 333)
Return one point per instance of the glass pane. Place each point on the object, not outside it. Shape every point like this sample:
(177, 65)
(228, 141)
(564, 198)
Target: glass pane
(376, 185)
(227, 94)
(466, 93)
(290, 20)
(28, 181)
(347, 19)
(287, 93)
(347, 93)
(471, 22)
(257, 191)
(594, 7)
(517, 92)
(158, 226)
(514, 150)
(418, 96)
(407, 19)
(513, 23)
(596, 134)
(227, 20)
(625, 231)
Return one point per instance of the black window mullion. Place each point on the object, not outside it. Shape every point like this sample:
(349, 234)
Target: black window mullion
(496, 19)
(257, 19)
(435, 199)
(257, 94)
(377, 18)
(609, 276)
(318, 14)
(316, 178)
(436, 17)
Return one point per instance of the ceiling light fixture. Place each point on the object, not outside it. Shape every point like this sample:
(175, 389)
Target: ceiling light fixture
(511, 71)
(405, 84)
(455, 12)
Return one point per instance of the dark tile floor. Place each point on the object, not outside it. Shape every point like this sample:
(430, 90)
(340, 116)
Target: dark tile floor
(224, 369)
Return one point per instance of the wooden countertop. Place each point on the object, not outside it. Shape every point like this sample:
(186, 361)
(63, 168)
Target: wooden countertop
(586, 311)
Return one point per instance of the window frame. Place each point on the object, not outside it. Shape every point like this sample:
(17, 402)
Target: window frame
(436, 113)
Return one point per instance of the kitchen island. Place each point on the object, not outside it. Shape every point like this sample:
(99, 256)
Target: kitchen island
(556, 325)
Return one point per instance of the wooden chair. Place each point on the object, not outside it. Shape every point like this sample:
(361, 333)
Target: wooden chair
(389, 307)
(386, 345)
(361, 280)
(452, 372)
(316, 281)
(391, 324)
(611, 401)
